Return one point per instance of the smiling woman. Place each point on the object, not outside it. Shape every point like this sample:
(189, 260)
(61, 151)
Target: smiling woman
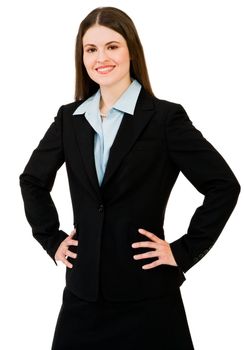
(108, 31)
(123, 278)
(107, 64)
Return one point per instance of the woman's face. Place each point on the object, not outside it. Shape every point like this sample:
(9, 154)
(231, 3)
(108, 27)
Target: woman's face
(106, 56)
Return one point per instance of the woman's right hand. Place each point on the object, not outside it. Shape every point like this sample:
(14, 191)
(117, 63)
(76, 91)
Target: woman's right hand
(63, 250)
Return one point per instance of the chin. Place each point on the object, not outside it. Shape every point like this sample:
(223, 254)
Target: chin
(106, 81)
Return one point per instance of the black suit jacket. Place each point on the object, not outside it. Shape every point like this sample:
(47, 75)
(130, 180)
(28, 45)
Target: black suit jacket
(149, 151)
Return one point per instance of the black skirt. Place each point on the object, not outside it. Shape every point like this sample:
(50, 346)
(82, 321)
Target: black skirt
(158, 323)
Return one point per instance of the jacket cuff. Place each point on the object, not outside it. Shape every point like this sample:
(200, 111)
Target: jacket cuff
(54, 243)
(182, 258)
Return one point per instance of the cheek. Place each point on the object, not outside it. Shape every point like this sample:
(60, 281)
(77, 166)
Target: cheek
(122, 57)
(123, 61)
(88, 62)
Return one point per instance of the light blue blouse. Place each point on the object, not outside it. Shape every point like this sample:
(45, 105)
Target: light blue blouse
(106, 130)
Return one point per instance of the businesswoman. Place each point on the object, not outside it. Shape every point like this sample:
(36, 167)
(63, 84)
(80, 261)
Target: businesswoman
(123, 149)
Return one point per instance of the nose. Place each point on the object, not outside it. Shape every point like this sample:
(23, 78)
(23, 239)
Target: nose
(101, 56)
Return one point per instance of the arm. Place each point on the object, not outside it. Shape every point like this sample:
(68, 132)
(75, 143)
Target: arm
(209, 173)
(36, 183)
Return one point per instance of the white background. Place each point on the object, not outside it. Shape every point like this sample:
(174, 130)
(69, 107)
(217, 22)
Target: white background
(194, 53)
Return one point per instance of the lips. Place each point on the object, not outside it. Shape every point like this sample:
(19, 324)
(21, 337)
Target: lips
(105, 69)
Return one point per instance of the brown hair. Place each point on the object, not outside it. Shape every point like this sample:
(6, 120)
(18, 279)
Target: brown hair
(119, 21)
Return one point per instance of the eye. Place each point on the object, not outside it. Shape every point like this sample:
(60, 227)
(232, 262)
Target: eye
(113, 47)
(90, 50)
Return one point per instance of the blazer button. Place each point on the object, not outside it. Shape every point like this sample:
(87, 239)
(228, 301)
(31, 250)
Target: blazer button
(101, 208)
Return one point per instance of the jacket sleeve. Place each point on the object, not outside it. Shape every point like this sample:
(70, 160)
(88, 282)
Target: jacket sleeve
(36, 183)
(209, 173)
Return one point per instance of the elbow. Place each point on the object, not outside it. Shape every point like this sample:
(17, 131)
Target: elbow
(226, 191)
(234, 189)
(23, 180)
(26, 181)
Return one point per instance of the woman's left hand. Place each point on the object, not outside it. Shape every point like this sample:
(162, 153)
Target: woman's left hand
(162, 250)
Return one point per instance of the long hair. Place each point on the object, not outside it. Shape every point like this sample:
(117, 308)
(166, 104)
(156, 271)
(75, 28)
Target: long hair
(120, 22)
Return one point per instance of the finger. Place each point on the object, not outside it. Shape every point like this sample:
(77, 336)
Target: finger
(73, 232)
(150, 254)
(144, 244)
(150, 235)
(72, 242)
(151, 265)
(67, 263)
(71, 254)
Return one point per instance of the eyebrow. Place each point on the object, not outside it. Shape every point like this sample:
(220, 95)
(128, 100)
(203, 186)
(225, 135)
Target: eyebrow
(110, 42)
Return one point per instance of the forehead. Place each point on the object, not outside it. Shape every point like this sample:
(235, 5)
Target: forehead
(100, 35)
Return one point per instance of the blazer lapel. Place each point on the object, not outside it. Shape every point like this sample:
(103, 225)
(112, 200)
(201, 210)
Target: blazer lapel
(128, 132)
(85, 138)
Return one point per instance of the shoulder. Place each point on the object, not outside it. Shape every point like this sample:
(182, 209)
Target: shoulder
(69, 108)
(162, 107)
(166, 106)
(171, 113)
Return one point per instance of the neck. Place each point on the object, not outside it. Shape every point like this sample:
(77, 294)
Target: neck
(110, 94)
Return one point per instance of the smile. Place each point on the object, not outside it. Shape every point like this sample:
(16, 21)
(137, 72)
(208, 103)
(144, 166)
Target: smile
(105, 69)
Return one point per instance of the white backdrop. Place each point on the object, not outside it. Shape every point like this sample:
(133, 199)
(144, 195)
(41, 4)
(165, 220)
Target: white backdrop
(194, 52)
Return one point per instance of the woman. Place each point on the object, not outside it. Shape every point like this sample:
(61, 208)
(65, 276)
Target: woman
(123, 149)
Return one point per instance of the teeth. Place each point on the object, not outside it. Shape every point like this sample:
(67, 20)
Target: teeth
(105, 69)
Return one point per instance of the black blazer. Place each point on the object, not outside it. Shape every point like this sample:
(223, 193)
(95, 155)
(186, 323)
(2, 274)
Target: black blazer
(149, 151)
